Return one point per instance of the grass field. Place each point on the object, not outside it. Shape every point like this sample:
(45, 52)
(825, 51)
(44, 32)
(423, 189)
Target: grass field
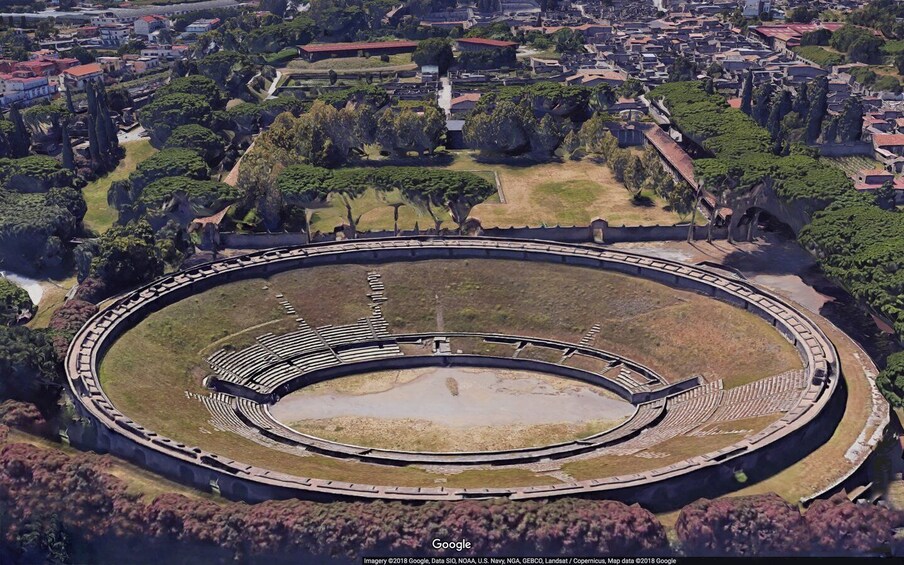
(853, 164)
(822, 56)
(401, 61)
(100, 216)
(675, 332)
(535, 194)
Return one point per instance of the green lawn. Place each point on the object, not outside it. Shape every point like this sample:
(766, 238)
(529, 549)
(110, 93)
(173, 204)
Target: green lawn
(820, 55)
(397, 62)
(100, 216)
(893, 47)
(853, 164)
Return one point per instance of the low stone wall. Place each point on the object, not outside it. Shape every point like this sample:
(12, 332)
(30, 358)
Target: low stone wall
(860, 148)
(625, 234)
(262, 240)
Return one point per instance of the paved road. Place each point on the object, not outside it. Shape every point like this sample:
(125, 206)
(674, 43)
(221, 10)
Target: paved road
(85, 15)
(444, 97)
(134, 135)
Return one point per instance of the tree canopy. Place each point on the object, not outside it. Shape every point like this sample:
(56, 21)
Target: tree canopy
(127, 256)
(166, 113)
(14, 301)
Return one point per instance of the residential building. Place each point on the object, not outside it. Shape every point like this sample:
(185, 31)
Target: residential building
(24, 90)
(113, 35)
(75, 78)
(146, 25)
(202, 26)
(166, 52)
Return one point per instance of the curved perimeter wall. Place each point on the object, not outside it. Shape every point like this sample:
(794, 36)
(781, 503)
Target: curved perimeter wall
(809, 424)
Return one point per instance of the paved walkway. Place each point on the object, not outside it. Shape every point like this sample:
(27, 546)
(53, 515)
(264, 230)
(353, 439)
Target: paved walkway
(444, 96)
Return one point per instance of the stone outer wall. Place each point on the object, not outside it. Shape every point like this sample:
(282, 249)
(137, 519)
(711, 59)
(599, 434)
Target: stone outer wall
(599, 231)
(800, 430)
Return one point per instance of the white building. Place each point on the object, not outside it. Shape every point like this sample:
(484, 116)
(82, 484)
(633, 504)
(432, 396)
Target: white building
(202, 26)
(166, 52)
(114, 35)
(75, 78)
(146, 25)
(24, 90)
(753, 8)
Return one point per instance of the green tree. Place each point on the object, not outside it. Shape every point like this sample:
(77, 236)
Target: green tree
(205, 142)
(14, 303)
(303, 186)
(885, 196)
(168, 112)
(818, 107)
(434, 51)
(891, 380)
(405, 130)
(20, 139)
(567, 40)
(850, 125)
(196, 85)
(168, 163)
(350, 185)
(28, 366)
(505, 129)
(127, 256)
(747, 93)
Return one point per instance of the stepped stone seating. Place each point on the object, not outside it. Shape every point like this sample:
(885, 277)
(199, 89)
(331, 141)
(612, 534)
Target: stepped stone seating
(591, 335)
(369, 353)
(291, 344)
(241, 364)
(287, 306)
(684, 412)
(780, 393)
(339, 335)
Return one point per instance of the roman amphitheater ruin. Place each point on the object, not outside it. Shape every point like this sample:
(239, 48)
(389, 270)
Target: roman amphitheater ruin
(691, 374)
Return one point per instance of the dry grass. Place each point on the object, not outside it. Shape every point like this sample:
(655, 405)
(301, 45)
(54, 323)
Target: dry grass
(53, 297)
(566, 193)
(536, 194)
(677, 449)
(149, 367)
(425, 435)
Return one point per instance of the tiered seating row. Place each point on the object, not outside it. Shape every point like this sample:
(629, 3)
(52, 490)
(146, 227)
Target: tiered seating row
(780, 393)
(684, 412)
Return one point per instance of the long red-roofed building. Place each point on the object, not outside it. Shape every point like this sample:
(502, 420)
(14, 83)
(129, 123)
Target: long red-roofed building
(317, 51)
(788, 35)
(478, 43)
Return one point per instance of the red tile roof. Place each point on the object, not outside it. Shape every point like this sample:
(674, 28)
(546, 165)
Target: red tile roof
(363, 46)
(875, 173)
(888, 139)
(672, 152)
(487, 42)
(467, 97)
(84, 70)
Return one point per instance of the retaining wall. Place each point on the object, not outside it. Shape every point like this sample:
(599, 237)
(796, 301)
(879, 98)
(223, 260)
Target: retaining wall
(599, 231)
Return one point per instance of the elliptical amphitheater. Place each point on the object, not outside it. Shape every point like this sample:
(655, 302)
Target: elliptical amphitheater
(753, 425)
